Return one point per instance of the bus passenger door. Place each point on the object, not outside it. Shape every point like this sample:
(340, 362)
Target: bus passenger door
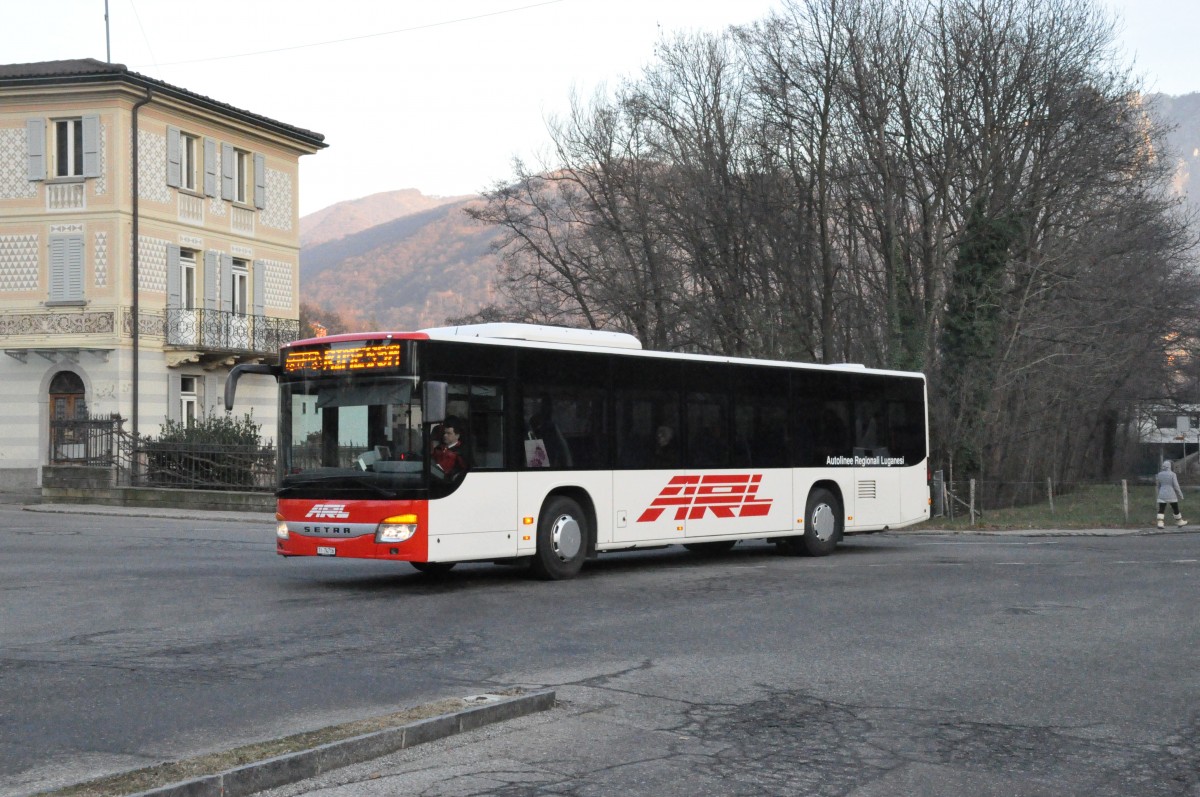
(478, 518)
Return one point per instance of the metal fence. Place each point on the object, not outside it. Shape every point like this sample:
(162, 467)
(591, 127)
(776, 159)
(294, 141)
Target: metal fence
(103, 442)
(1072, 504)
(201, 466)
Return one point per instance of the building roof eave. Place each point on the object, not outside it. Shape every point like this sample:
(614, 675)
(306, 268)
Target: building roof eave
(91, 71)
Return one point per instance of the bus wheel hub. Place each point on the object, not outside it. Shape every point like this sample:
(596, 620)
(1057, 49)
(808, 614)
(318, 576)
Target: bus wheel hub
(566, 538)
(823, 522)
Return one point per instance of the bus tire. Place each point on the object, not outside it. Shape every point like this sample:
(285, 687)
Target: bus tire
(433, 568)
(710, 548)
(822, 526)
(562, 540)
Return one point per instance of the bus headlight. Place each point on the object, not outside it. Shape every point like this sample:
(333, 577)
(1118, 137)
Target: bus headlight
(281, 530)
(396, 529)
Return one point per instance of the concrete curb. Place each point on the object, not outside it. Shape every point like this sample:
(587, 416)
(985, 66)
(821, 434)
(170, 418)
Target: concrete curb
(217, 515)
(293, 767)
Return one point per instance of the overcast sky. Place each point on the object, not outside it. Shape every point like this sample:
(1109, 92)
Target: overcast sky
(437, 96)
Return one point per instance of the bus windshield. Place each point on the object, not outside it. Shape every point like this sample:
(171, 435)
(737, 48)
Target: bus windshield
(351, 438)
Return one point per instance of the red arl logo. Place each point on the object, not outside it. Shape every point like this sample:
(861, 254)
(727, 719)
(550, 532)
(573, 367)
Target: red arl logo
(725, 496)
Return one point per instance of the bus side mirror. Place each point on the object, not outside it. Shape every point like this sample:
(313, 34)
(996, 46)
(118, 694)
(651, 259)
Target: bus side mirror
(236, 373)
(434, 401)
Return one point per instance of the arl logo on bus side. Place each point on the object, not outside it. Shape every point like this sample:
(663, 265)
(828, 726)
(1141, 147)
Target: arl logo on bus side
(328, 511)
(725, 496)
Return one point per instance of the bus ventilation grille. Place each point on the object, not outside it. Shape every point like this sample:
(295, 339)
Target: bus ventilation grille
(866, 489)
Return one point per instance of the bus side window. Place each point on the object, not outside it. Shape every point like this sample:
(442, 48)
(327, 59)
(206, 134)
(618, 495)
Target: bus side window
(486, 442)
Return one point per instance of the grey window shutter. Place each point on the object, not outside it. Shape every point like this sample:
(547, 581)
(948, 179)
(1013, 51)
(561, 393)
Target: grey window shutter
(174, 168)
(260, 181)
(174, 388)
(210, 167)
(227, 283)
(91, 146)
(75, 267)
(212, 391)
(258, 283)
(212, 264)
(66, 268)
(174, 287)
(58, 268)
(227, 171)
(35, 134)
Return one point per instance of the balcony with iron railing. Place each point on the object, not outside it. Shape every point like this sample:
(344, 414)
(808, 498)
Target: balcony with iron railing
(223, 331)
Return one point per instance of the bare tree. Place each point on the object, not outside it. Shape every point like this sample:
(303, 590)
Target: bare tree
(969, 187)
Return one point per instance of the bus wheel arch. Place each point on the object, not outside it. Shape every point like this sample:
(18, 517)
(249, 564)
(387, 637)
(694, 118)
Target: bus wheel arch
(565, 535)
(824, 522)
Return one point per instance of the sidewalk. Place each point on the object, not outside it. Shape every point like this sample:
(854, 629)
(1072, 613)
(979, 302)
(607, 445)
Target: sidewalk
(1094, 532)
(146, 511)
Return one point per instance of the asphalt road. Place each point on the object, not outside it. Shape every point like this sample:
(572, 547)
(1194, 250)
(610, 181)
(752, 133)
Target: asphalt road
(903, 664)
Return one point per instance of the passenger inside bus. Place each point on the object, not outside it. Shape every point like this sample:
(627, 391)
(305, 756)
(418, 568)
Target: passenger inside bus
(543, 427)
(665, 454)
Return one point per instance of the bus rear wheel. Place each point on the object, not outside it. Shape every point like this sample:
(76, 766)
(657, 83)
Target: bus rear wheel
(822, 526)
(562, 540)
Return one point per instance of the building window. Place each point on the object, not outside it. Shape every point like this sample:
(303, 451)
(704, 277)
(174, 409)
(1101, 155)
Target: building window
(187, 279)
(68, 147)
(242, 174)
(240, 287)
(189, 161)
(187, 401)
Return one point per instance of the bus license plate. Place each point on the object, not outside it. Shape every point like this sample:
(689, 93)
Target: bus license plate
(326, 550)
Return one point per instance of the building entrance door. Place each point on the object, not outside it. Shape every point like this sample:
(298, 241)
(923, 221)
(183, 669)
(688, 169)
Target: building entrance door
(68, 441)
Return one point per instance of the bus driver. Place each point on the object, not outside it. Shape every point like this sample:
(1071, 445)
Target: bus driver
(448, 455)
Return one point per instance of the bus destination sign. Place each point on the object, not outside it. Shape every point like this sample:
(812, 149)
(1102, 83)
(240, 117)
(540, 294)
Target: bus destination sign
(358, 357)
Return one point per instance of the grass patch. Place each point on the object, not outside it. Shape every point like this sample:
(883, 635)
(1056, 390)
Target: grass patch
(1091, 506)
(153, 777)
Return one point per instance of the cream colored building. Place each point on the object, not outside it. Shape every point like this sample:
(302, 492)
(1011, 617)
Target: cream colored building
(110, 179)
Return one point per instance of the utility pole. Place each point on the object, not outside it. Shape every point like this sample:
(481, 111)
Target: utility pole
(107, 38)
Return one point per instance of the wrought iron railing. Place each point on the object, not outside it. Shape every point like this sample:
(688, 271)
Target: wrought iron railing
(227, 331)
(85, 441)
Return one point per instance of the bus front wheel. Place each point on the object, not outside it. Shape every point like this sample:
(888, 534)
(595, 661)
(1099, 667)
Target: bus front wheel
(562, 540)
(822, 526)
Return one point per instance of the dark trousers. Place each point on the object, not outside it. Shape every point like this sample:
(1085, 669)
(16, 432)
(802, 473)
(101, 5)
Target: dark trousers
(1162, 508)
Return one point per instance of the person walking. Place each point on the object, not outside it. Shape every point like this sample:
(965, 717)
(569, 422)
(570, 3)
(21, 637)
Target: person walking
(1168, 493)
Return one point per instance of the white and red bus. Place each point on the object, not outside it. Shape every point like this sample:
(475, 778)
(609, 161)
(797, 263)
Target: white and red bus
(575, 442)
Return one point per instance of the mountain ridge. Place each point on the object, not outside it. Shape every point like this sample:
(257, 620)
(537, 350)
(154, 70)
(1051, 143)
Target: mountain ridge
(405, 260)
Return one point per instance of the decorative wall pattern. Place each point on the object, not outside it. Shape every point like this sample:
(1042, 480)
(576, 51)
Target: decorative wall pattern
(152, 167)
(100, 259)
(278, 211)
(14, 182)
(152, 265)
(277, 284)
(63, 323)
(100, 184)
(149, 323)
(18, 263)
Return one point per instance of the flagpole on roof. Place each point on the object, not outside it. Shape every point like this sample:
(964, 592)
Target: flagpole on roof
(107, 39)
